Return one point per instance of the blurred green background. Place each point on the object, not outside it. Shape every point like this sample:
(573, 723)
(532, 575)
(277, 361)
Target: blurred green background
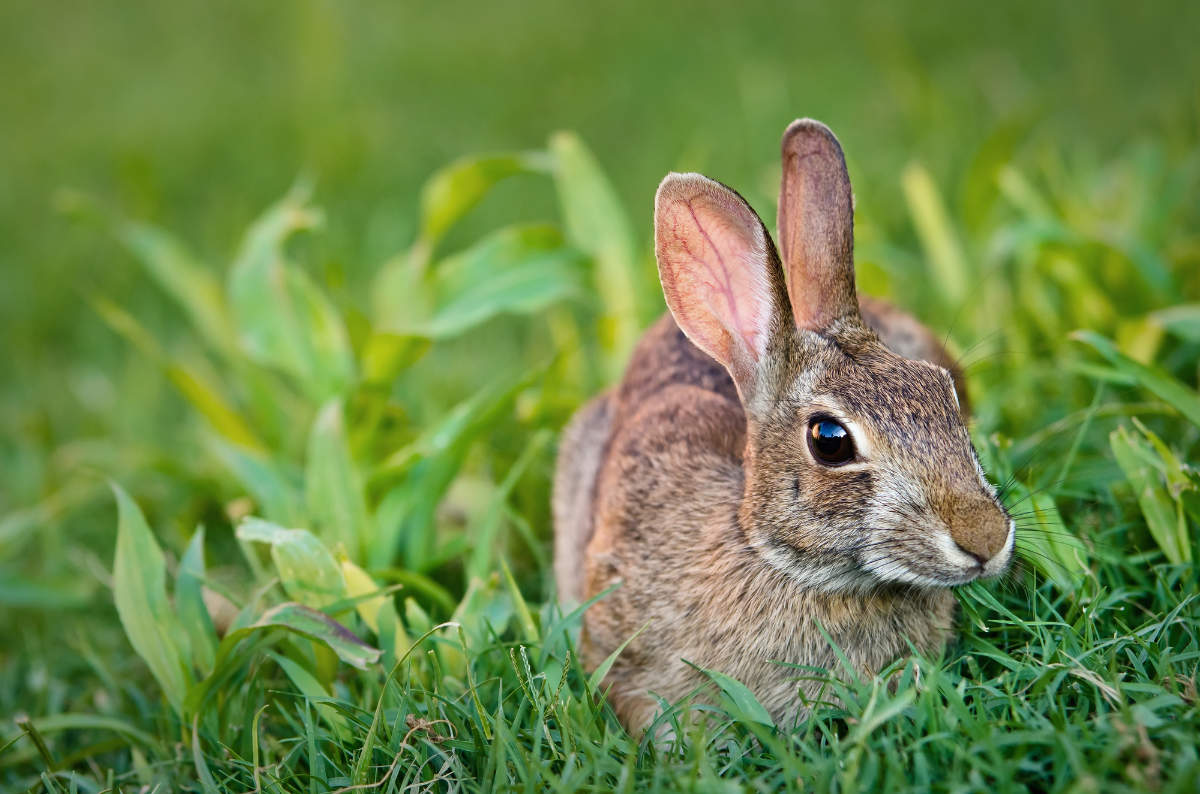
(1021, 170)
(196, 116)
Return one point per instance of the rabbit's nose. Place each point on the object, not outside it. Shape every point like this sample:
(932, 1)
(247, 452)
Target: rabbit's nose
(979, 528)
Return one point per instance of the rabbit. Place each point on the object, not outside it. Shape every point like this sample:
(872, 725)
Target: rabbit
(780, 462)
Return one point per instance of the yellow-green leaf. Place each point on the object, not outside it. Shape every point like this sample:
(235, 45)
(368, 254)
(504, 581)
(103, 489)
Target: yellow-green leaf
(358, 583)
(306, 569)
(936, 234)
(744, 704)
(596, 224)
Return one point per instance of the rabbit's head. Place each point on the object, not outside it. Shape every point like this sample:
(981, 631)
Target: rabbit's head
(859, 469)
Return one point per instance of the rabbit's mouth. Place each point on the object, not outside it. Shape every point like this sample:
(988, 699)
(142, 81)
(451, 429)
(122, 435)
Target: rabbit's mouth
(936, 560)
(895, 556)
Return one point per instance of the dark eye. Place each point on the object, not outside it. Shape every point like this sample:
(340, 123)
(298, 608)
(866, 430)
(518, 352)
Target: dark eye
(829, 441)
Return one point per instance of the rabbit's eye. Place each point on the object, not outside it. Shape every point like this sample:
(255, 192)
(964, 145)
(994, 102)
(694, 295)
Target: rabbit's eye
(829, 441)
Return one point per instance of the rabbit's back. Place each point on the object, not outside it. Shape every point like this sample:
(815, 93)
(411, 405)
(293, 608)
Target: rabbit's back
(580, 454)
(663, 361)
(665, 357)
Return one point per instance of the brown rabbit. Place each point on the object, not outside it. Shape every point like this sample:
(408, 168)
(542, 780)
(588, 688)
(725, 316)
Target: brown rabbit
(777, 458)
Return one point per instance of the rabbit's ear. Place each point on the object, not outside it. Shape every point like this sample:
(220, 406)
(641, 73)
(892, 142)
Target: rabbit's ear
(816, 226)
(721, 275)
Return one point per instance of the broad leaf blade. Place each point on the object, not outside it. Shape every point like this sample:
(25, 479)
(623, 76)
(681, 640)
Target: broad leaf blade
(360, 583)
(320, 627)
(140, 592)
(1162, 516)
(189, 601)
(387, 354)
(446, 197)
(1045, 542)
(284, 320)
(451, 192)
(1153, 379)
(193, 286)
(276, 493)
(519, 270)
(333, 486)
(1182, 321)
(306, 569)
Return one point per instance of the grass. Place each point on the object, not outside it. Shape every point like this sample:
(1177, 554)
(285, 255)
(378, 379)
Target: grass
(341, 418)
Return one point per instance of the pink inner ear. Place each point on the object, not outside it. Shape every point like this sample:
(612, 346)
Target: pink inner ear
(712, 255)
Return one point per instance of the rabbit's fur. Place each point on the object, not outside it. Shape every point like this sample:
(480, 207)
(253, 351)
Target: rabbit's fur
(693, 484)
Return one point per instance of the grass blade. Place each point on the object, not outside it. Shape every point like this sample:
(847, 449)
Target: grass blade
(312, 689)
(738, 695)
(430, 464)
(482, 531)
(207, 782)
(195, 387)
(602, 669)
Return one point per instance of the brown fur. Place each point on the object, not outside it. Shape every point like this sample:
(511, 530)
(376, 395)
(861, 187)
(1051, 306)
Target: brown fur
(574, 485)
(691, 483)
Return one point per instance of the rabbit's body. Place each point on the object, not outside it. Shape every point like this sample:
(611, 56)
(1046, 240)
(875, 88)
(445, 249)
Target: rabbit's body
(690, 484)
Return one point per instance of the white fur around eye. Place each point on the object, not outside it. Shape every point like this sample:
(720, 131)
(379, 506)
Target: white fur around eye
(862, 444)
(863, 449)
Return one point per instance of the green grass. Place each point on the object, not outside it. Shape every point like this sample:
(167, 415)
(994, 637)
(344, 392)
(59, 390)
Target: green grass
(336, 404)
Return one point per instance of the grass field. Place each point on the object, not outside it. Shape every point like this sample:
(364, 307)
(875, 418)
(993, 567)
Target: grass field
(298, 296)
